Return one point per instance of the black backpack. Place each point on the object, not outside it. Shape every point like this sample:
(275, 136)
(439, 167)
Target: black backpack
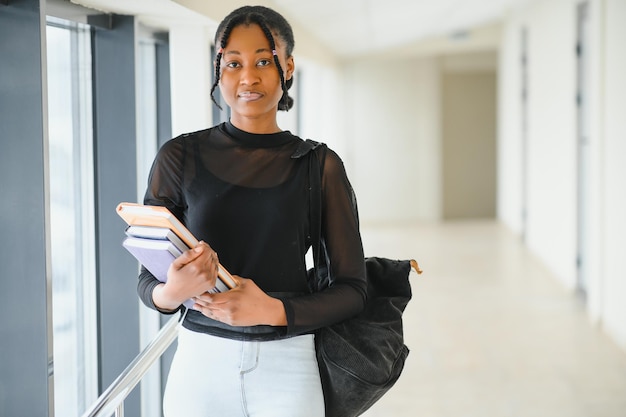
(361, 358)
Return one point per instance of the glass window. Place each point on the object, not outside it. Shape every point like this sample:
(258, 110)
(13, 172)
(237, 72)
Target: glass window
(146, 112)
(71, 216)
(147, 133)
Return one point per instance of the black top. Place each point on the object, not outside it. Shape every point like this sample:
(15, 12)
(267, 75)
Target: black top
(248, 198)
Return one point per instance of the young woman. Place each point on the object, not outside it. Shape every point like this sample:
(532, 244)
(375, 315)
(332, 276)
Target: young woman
(238, 187)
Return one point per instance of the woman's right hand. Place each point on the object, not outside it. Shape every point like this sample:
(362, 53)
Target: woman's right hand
(191, 274)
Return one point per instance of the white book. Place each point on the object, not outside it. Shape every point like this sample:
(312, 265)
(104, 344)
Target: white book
(160, 233)
(143, 215)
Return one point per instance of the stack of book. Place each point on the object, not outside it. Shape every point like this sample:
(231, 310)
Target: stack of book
(155, 237)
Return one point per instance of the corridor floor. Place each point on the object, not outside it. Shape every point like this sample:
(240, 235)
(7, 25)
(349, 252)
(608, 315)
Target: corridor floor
(492, 333)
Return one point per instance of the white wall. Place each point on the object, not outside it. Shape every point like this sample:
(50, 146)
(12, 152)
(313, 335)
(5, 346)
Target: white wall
(614, 243)
(551, 145)
(393, 129)
(320, 115)
(509, 203)
(552, 137)
(552, 154)
(191, 68)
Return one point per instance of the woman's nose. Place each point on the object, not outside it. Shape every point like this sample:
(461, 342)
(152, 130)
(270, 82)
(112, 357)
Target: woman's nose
(249, 75)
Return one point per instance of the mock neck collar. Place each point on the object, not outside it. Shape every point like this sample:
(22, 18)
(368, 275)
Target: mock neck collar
(256, 140)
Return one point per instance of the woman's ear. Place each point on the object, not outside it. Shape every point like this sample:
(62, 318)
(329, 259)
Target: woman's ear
(291, 67)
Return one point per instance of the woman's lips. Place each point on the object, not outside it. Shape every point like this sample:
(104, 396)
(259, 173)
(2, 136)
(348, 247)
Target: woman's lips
(250, 95)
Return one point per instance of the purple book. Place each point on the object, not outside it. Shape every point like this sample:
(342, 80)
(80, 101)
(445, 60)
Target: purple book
(156, 255)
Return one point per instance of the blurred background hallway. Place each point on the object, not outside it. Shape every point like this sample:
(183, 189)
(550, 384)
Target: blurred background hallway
(492, 333)
(494, 129)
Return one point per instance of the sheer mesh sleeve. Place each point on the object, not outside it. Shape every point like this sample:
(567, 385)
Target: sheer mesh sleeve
(164, 189)
(208, 180)
(340, 231)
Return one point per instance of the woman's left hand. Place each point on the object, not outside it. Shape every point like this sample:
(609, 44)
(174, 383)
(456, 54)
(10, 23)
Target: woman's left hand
(245, 305)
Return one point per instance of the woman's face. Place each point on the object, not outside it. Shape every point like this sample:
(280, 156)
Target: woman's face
(249, 81)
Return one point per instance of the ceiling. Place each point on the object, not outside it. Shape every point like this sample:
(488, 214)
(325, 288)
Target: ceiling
(355, 27)
(345, 28)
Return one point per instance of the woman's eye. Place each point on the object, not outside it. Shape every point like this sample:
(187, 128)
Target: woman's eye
(232, 64)
(264, 63)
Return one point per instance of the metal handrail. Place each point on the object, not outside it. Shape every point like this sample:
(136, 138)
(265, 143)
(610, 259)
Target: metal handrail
(111, 402)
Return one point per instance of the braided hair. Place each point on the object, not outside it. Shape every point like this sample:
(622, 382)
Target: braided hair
(268, 20)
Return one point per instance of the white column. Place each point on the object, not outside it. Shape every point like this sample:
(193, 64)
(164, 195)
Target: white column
(191, 67)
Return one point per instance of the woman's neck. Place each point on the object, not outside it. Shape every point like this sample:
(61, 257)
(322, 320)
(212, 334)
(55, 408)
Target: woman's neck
(255, 125)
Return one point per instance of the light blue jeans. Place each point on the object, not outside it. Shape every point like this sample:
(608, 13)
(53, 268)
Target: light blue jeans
(212, 376)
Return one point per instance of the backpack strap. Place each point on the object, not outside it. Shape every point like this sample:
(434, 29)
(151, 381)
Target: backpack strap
(319, 277)
(305, 147)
